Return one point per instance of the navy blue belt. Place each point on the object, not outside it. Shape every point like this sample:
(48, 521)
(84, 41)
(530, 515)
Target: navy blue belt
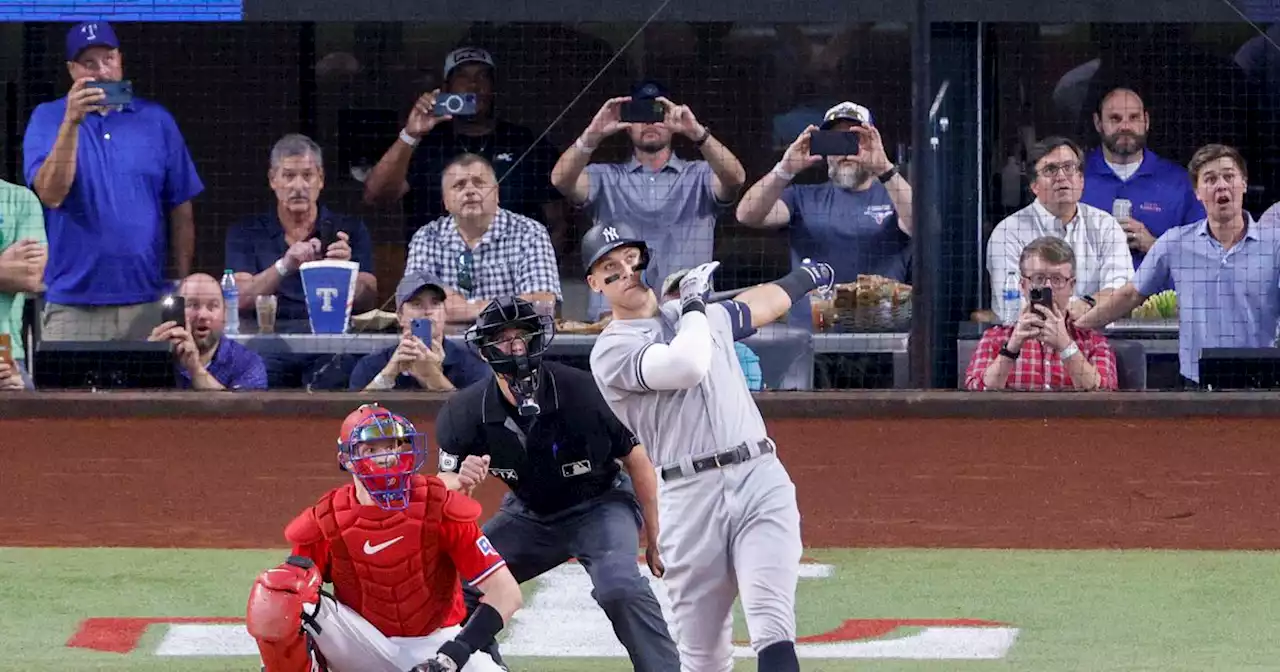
(735, 455)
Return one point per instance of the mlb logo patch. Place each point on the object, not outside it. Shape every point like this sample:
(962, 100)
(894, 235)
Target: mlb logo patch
(576, 468)
(448, 462)
(485, 547)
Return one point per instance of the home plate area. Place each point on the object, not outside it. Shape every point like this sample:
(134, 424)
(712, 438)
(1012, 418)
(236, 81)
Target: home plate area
(563, 595)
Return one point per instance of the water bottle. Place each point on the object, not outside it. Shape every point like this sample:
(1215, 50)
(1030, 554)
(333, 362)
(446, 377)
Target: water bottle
(231, 297)
(1012, 298)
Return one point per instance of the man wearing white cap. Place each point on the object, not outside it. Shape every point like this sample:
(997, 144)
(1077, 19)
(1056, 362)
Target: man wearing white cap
(863, 211)
(412, 166)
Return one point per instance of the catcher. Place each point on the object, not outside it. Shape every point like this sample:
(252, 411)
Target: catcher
(393, 544)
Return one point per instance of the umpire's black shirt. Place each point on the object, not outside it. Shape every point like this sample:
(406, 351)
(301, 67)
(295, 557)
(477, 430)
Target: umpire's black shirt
(564, 455)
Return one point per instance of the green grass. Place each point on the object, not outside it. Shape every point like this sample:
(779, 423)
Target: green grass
(1127, 611)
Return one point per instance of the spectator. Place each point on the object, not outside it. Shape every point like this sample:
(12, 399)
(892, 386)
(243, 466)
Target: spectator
(206, 360)
(480, 250)
(1045, 350)
(265, 252)
(411, 167)
(860, 218)
(108, 177)
(1157, 189)
(438, 366)
(670, 202)
(1101, 250)
(747, 358)
(23, 254)
(1225, 268)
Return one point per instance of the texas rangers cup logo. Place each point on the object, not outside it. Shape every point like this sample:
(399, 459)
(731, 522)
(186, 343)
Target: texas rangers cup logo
(331, 288)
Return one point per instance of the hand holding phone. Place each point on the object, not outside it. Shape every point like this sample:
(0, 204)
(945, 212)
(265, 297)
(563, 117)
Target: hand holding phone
(1043, 297)
(1121, 209)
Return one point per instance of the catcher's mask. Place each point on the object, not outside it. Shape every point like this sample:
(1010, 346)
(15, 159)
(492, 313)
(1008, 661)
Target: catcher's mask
(383, 450)
(516, 357)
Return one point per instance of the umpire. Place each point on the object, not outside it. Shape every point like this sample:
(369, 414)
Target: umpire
(545, 430)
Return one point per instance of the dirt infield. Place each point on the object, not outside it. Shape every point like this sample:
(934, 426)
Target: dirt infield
(1060, 483)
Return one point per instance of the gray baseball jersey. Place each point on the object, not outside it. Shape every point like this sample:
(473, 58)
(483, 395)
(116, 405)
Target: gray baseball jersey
(713, 416)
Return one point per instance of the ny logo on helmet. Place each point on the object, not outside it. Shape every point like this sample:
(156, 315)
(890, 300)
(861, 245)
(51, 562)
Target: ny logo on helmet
(611, 234)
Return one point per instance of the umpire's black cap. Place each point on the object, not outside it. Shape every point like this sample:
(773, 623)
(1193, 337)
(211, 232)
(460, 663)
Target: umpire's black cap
(604, 238)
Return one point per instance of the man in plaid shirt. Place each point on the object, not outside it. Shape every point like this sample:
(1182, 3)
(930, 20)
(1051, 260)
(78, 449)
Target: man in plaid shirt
(481, 251)
(1043, 350)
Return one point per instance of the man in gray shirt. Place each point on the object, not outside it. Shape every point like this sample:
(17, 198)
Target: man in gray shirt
(670, 202)
(1225, 268)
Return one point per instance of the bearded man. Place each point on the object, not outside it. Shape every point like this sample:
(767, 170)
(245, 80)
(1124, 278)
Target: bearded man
(203, 359)
(859, 220)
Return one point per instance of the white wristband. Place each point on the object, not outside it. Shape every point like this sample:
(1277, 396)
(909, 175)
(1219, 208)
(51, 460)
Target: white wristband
(1069, 351)
(408, 139)
(582, 146)
(282, 268)
(777, 170)
(381, 382)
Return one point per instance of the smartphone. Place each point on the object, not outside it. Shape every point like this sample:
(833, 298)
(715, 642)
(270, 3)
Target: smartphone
(642, 111)
(455, 104)
(1042, 296)
(174, 309)
(833, 143)
(421, 327)
(328, 236)
(118, 93)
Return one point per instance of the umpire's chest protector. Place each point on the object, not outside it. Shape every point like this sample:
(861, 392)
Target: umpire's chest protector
(389, 566)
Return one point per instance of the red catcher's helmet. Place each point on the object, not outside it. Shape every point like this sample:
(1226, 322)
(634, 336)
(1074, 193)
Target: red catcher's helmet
(385, 474)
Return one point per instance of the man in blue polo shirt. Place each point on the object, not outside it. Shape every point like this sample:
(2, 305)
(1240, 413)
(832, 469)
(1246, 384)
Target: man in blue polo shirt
(204, 359)
(1147, 194)
(265, 252)
(438, 366)
(109, 178)
(860, 219)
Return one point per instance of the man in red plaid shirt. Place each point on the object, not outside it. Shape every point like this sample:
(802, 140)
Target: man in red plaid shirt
(1043, 350)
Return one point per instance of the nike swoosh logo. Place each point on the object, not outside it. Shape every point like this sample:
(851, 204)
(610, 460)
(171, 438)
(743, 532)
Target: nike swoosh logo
(371, 549)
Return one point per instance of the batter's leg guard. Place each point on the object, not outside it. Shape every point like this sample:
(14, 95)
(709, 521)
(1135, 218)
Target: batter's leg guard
(778, 657)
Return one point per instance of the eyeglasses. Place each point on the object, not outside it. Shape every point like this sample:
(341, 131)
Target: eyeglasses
(1069, 169)
(466, 271)
(1054, 281)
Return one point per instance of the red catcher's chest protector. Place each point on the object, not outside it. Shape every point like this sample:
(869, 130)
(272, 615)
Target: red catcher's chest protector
(389, 566)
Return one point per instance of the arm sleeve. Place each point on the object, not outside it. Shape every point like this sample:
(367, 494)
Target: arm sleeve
(1154, 272)
(597, 175)
(238, 251)
(251, 376)
(736, 318)
(1117, 262)
(1103, 359)
(1001, 258)
(631, 363)
(181, 182)
(37, 142)
(536, 269)
(708, 176)
(454, 441)
(470, 550)
(30, 215)
(361, 245)
(986, 352)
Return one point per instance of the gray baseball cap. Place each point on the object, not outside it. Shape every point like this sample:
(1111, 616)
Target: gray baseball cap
(414, 282)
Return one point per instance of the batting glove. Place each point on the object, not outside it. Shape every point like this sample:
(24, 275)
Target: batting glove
(824, 277)
(695, 286)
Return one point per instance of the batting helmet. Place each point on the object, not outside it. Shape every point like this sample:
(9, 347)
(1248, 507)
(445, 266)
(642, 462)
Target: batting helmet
(386, 472)
(604, 238)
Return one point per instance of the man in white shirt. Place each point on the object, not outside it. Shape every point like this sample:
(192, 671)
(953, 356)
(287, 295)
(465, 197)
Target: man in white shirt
(1102, 251)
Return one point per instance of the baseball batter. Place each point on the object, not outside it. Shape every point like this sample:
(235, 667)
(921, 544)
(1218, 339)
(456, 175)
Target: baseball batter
(730, 524)
(393, 544)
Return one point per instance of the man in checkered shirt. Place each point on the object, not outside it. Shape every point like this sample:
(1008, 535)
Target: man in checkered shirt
(481, 251)
(1044, 349)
